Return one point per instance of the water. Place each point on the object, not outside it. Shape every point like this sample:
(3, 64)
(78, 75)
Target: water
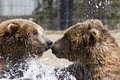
(34, 70)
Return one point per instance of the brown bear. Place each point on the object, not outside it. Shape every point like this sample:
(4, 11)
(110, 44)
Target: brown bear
(19, 40)
(93, 47)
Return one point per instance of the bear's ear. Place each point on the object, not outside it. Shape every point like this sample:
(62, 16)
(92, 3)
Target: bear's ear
(89, 26)
(94, 36)
(12, 28)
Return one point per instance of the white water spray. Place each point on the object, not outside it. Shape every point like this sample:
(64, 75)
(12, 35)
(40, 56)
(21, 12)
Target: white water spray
(37, 71)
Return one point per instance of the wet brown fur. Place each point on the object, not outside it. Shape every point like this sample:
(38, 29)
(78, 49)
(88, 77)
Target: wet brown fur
(18, 44)
(94, 48)
(19, 40)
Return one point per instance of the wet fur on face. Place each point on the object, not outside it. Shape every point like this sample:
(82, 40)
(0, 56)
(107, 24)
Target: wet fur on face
(20, 39)
(93, 47)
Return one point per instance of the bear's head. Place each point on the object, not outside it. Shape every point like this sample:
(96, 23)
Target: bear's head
(20, 38)
(87, 42)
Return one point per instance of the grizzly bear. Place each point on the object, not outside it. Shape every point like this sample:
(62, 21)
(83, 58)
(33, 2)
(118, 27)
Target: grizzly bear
(19, 40)
(93, 47)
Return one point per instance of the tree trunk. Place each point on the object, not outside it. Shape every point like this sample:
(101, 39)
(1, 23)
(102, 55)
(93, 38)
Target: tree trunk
(70, 12)
(66, 13)
(50, 15)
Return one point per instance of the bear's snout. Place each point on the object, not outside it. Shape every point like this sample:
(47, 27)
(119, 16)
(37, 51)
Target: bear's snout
(48, 44)
(58, 53)
(54, 51)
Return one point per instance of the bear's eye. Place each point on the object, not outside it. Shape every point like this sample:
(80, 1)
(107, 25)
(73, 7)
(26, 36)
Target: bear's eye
(35, 33)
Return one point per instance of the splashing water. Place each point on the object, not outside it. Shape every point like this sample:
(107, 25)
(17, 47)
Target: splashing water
(34, 70)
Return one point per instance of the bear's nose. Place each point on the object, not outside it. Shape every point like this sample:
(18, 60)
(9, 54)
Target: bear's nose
(49, 43)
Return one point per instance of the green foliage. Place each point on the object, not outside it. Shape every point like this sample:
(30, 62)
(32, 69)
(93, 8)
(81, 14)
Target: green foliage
(106, 10)
(113, 14)
(46, 16)
(78, 10)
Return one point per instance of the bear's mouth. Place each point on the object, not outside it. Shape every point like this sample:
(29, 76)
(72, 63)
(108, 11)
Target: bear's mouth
(46, 48)
(57, 53)
(48, 45)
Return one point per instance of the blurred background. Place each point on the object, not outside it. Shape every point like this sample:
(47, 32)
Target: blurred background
(60, 14)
